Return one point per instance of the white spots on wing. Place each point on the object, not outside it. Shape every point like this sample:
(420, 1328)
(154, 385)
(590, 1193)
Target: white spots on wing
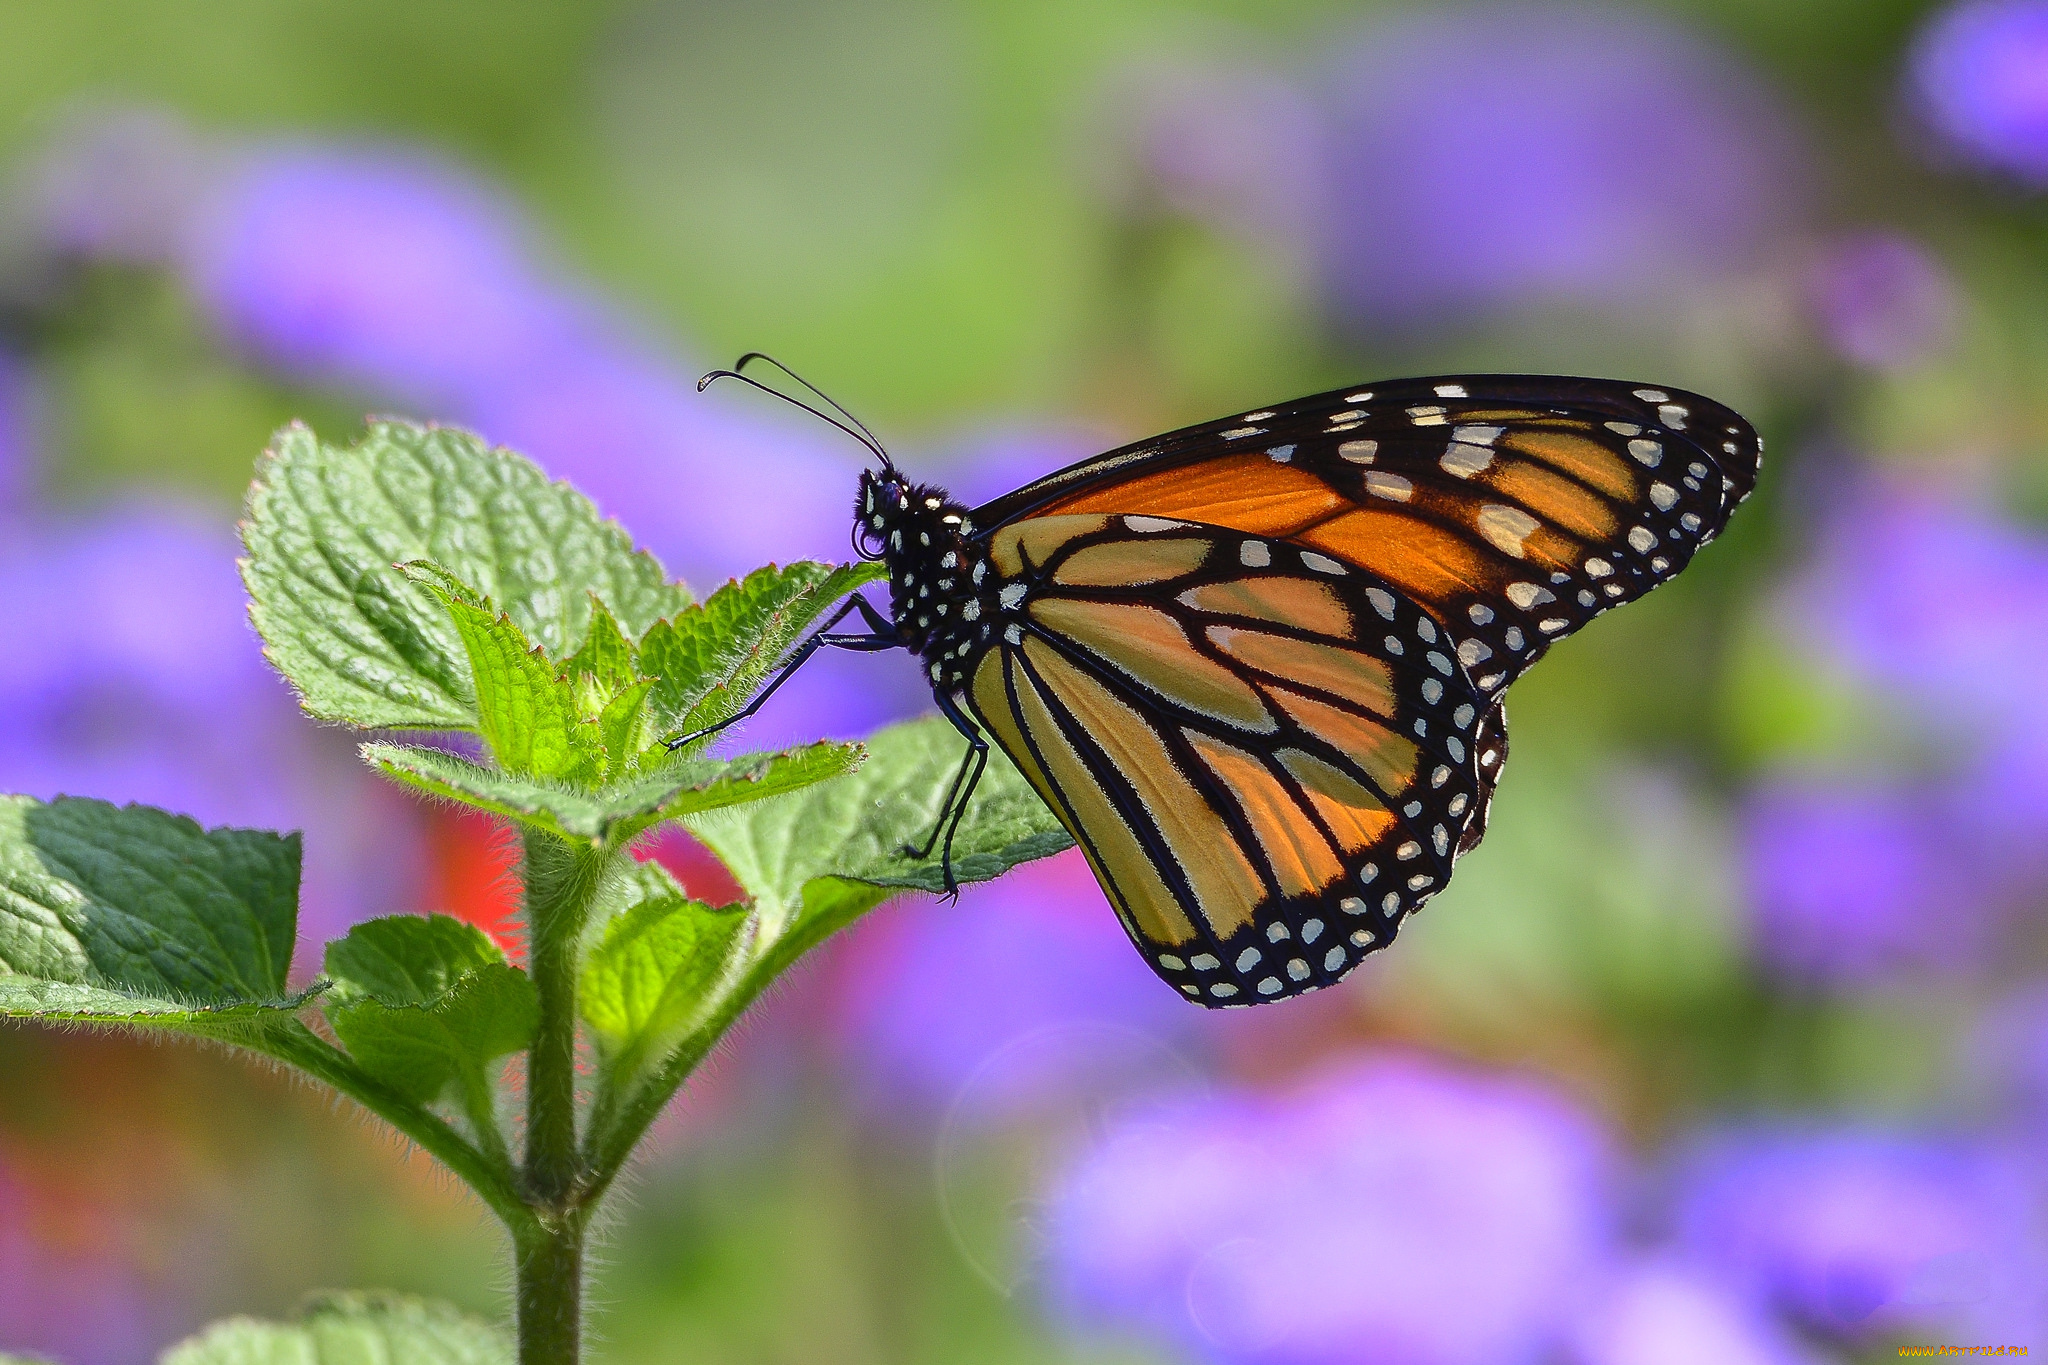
(1551, 625)
(1312, 929)
(1440, 776)
(1297, 969)
(1391, 902)
(1012, 595)
(1390, 486)
(1623, 428)
(1223, 990)
(1473, 653)
(1440, 839)
(1269, 985)
(1440, 663)
(1690, 521)
(1333, 959)
(1365, 876)
(1426, 629)
(1152, 524)
(1672, 415)
(1696, 469)
(1462, 717)
(1014, 633)
(1254, 554)
(1506, 528)
(1172, 963)
(1659, 564)
(1238, 433)
(1598, 568)
(1382, 602)
(1463, 460)
(1426, 416)
(1363, 937)
(1586, 598)
(1451, 391)
(1513, 635)
(1394, 646)
(1646, 453)
(1359, 452)
(1480, 613)
(1642, 540)
(1612, 589)
(1362, 396)
(1456, 747)
(1653, 395)
(1663, 496)
(1281, 454)
(1419, 882)
(1409, 850)
(1412, 809)
(1322, 563)
(1432, 691)
(1487, 683)
(1476, 435)
(1276, 931)
(1346, 419)
(1256, 416)
(1205, 962)
(1457, 804)
(1729, 447)
(1248, 959)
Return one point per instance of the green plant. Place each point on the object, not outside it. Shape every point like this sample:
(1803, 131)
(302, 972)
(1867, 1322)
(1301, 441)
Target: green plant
(418, 581)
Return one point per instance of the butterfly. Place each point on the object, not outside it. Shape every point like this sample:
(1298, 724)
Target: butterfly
(1256, 667)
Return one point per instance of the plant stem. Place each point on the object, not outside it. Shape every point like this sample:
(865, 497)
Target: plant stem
(561, 882)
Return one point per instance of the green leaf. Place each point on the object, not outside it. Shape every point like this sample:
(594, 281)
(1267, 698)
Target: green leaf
(525, 710)
(712, 658)
(820, 859)
(351, 1329)
(425, 1002)
(619, 810)
(133, 915)
(606, 655)
(325, 525)
(648, 981)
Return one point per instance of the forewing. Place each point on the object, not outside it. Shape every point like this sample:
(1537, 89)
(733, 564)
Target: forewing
(1270, 757)
(1512, 509)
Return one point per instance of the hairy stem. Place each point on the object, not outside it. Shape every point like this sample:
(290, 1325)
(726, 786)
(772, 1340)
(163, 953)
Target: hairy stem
(561, 883)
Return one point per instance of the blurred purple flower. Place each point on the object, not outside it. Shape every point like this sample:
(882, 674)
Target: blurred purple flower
(1581, 154)
(1392, 1211)
(1979, 77)
(1225, 144)
(1882, 301)
(132, 675)
(121, 183)
(1852, 881)
(18, 474)
(1004, 1000)
(73, 1305)
(2006, 1059)
(1663, 1311)
(1862, 1230)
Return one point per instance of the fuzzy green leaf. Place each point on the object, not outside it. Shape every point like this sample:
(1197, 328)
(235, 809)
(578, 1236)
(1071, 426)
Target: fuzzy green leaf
(127, 914)
(351, 1329)
(647, 983)
(819, 860)
(525, 711)
(712, 658)
(606, 654)
(326, 524)
(426, 1002)
(619, 810)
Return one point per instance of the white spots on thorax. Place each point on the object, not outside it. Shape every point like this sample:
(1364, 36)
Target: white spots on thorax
(1254, 554)
(1653, 395)
(1663, 496)
(924, 538)
(1322, 564)
(1673, 415)
(1392, 487)
(980, 571)
(949, 519)
(1426, 416)
(1451, 391)
(1642, 540)
(1463, 460)
(1281, 454)
(970, 610)
(1014, 633)
(1506, 528)
(1012, 595)
(1646, 453)
(896, 540)
(1150, 524)
(951, 560)
(1359, 452)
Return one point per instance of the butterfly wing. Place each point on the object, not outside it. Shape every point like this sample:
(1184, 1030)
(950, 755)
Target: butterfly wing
(1269, 756)
(1513, 509)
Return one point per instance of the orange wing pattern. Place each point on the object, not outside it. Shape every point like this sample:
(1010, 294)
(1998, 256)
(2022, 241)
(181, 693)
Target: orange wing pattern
(1270, 756)
(1511, 509)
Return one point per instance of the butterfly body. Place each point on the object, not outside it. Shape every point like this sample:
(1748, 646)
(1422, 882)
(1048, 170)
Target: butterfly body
(1256, 667)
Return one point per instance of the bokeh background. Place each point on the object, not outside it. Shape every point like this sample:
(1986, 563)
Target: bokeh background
(1731, 1043)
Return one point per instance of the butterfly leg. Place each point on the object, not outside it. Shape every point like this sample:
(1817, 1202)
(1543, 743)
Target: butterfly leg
(884, 637)
(965, 780)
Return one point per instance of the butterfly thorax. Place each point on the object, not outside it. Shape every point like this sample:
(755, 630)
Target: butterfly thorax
(942, 587)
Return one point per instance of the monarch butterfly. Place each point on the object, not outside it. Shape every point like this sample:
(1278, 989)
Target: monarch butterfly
(1256, 666)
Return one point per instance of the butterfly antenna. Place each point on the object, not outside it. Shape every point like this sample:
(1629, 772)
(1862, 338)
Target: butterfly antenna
(742, 362)
(864, 436)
